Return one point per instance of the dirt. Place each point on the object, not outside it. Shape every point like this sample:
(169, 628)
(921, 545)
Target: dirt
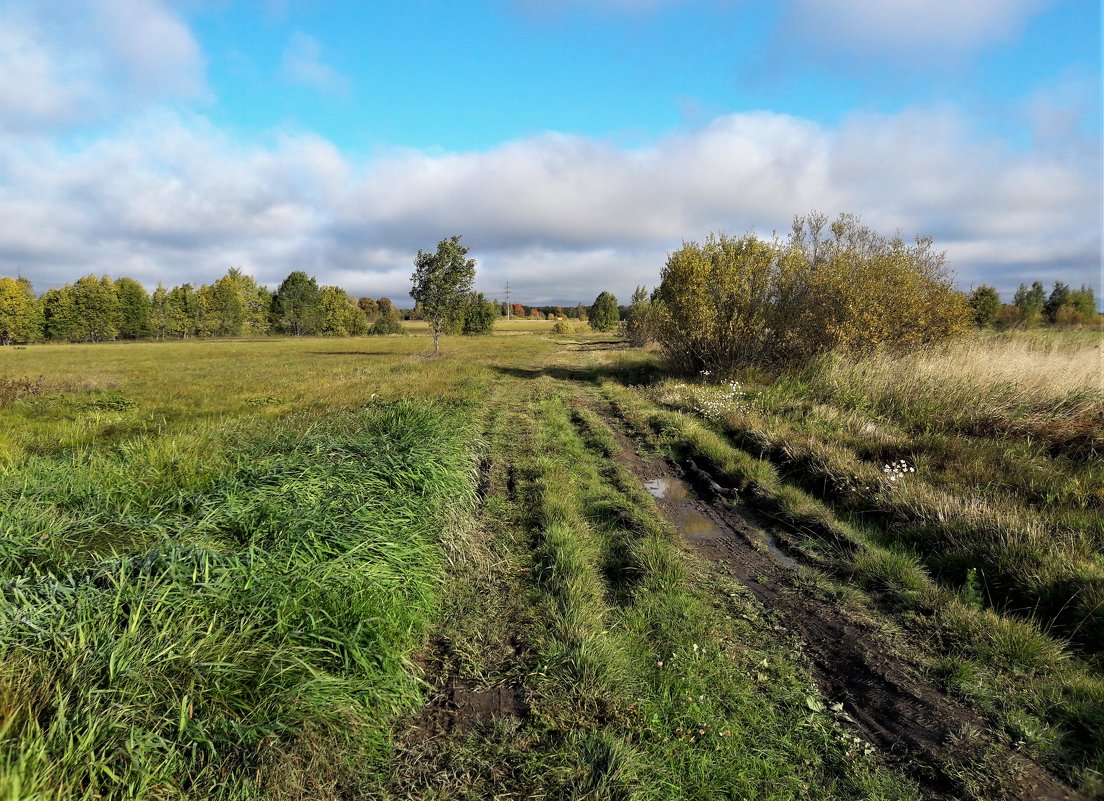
(457, 705)
(943, 745)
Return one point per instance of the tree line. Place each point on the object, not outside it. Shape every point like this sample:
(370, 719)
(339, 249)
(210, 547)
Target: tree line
(1034, 306)
(99, 308)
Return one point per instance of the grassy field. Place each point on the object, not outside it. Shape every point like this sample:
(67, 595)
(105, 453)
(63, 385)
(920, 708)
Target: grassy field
(315, 568)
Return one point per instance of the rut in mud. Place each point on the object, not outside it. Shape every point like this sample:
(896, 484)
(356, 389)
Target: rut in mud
(943, 745)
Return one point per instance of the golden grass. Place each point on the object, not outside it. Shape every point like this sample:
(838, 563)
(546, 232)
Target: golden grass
(1048, 386)
(1050, 367)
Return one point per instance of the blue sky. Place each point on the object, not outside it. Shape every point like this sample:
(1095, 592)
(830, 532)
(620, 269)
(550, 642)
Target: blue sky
(572, 143)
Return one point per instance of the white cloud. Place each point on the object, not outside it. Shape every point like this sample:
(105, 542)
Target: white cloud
(919, 29)
(173, 199)
(67, 63)
(302, 64)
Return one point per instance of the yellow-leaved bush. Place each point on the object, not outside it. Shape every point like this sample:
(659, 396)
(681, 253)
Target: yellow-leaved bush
(733, 302)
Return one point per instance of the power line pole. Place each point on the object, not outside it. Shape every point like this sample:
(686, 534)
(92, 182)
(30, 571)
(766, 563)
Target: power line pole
(507, 301)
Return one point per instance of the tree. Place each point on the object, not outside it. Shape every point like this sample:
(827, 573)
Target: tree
(1083, 301)
(18, 313)
(94, 311)
(1059, 297)
(479, 315)
(159, 312)
(296, 305)
(388, 320)
(639, 325)
(985, 303)
(440, 282)
(134, 309)
(1030, 302)
(57, 314)
(733, 302)
(369, 307)
(182, 305)
(603, 314)
(338, 315)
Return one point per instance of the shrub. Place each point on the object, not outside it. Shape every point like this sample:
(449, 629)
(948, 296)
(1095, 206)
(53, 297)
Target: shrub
(387, 324)
(604, 314)
(561, 328)
(985, 303)
(640, 323)
(479, 316)
(733, 302)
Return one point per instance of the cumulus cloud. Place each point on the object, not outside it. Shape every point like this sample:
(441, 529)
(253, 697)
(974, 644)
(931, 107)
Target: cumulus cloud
(302, 64)
(97, 59)
(171, 198)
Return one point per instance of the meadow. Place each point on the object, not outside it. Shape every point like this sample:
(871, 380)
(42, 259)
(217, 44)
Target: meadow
(340, 568)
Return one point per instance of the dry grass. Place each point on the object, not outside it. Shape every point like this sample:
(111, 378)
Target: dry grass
(1048, 388)
(1044, 369)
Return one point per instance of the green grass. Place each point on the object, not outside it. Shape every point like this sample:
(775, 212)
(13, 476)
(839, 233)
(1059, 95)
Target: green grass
(247, 635)
(911, 545)
(691, 711)
(257, 568)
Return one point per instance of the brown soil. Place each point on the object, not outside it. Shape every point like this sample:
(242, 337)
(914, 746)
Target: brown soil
(946, 747)
(456, 705)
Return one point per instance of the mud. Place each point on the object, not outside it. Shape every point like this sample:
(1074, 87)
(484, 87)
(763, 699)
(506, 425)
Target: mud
(456, 705)
(943, 745)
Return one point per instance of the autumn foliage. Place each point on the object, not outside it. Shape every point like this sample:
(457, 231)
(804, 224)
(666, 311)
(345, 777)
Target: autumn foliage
(733, 302)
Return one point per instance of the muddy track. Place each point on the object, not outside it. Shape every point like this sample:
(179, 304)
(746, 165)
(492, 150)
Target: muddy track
(943, 745)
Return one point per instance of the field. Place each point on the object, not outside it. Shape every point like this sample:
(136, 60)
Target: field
(538, 567)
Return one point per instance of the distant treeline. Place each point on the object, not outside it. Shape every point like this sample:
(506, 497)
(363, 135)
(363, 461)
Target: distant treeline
(97, 309)
(1034, 306)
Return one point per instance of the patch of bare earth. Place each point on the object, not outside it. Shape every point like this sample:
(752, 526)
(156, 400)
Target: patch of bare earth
(945, 746)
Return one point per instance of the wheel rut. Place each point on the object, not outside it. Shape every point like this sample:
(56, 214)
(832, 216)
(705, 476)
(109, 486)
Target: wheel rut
(943, 745)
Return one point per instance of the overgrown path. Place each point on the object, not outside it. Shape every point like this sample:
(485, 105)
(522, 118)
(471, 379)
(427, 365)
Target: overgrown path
(858, 666)
(599, 642)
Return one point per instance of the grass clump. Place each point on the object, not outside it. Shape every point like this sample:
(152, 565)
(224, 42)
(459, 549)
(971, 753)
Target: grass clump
(258, 647)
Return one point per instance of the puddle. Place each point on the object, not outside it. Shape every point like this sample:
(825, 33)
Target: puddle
(693, 523)
(669, 489)
(777, 552)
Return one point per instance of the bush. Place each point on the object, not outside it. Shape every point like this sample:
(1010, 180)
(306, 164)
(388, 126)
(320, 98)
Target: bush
(480, 315)
(387, 324)
(985, 303)
(734, 302)
(561, 328)
(604, 314)
(639, 325)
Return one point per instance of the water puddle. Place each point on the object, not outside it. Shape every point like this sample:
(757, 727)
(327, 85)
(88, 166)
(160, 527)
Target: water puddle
(693, 523)
(669, 489)
(777, 552)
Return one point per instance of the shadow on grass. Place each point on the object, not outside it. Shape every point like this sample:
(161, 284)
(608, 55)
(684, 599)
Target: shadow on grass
(624, 374)
(354, 353)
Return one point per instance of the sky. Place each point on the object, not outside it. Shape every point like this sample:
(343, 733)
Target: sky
(573, 144)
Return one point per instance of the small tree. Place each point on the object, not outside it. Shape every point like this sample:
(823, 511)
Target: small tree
(1030, 302)
(17, 312)
(441, 282)
(639, 325)
(1059, 297)
(134, 309)
(1083, 301)
(603, 314)
(296, 307)
(479, 315)
(985, 303)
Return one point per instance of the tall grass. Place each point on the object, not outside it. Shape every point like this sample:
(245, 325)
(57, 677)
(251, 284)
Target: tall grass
(1042, 387)
(242, 634)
